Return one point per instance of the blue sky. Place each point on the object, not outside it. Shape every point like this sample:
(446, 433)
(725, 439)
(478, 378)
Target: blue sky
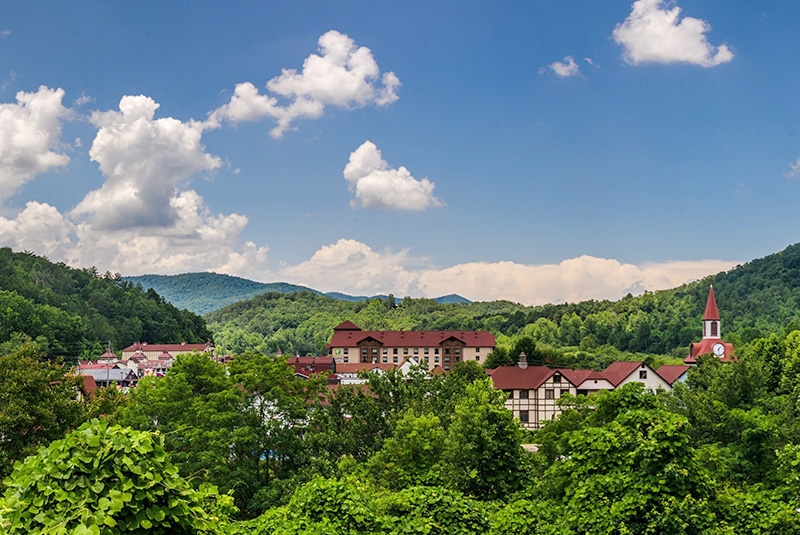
(536, 151)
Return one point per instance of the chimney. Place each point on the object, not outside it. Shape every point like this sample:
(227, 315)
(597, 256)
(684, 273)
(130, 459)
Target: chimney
(523, 360)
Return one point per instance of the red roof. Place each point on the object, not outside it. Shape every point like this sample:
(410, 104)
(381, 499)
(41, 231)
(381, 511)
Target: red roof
(514, 377)
(576, 377)
(671, 372)
(711, 312)
(89, 384)
(347, 326)
(351, 338)
(169, 347)
(706, 345)
(616, 372)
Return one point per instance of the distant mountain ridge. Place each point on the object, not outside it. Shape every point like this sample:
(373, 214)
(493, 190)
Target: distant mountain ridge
(206, 292)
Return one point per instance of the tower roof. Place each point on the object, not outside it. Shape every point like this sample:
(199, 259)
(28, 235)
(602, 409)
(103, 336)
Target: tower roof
(711, 312)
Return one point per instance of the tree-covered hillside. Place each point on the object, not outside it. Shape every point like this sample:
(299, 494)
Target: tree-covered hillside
(755, 299)
(75, 312)
(202, 293)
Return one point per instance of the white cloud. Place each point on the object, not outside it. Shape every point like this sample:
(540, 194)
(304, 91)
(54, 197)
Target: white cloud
(376, 185)
(655, 32)
(565, 68)
(29, 131)
(5, 33)
(353, 267)
(794, 169)
(343, 75)
(39, 228)
(83, 99)
(144, 159)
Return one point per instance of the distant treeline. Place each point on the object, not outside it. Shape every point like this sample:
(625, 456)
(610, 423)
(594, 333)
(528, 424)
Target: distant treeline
(76, 312)
(755, 300)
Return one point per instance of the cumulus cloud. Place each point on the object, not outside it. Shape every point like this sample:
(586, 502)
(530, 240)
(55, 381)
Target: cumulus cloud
(144, 159)
(342, 74)
(376, 185)
(353, 267)
(565, 68)
(29, 133)
(655, 32)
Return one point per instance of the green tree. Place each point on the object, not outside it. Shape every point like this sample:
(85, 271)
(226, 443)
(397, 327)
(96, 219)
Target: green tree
(102, 479)
(39, 402)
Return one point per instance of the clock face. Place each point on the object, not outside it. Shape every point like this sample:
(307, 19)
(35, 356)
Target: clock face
(719, 349)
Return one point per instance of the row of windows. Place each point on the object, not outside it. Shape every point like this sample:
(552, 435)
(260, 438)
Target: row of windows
(549, 393)
(426, 350)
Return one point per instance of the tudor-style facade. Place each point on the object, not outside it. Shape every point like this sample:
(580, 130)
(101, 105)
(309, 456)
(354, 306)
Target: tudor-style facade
(350, 344)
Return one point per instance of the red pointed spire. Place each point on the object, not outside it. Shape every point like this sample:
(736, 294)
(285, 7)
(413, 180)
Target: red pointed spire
(711, 312)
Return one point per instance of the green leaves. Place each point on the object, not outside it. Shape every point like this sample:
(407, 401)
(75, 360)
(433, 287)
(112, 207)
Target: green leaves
(96, 480)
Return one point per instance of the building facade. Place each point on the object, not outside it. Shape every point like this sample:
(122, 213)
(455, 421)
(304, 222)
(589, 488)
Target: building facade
(350, 344)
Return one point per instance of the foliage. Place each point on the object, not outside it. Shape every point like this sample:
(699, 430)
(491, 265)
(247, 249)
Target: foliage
(75, 312)
(39, 402)
(433, 511)
(102, 479)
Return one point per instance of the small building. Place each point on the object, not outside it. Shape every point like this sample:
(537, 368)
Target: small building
(674, 373)
(154, 351)
(310, 365)
(350, 344)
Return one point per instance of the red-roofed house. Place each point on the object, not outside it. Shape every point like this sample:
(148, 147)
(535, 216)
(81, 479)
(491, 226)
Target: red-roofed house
(532, 390)
(712, 342)
(308, 365)
(350, 344)
(673, 373)
(155, 351)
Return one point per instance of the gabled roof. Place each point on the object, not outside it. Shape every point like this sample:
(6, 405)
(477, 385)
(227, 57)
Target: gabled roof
(169, 347)
(576, 377)
(711, 312)
(618, 371)
(347, 326)
(671, 372)
(514, 377)
(351, 338)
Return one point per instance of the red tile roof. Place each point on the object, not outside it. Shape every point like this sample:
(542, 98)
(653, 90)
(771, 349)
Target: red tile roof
(711, 312)
(706, 345)
(351, 338)
(169, 347)
(347, 326)
(671, 372)
(514, 377)
(616, 372)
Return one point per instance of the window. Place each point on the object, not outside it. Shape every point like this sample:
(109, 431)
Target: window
(549, 393)
(458, 351)
(394, 359)
(642, 374)
(556, 378)
(447, 351)
(426, 350)
(364, 351)
(458, 358)
(447, 367)
(563, 392)
(510, 394)
(477, 357)
(405, 351)
(447, 359)
(385, 351)
(436, 359)
(345, 351)
(477, 350)
(523, 394)
(714, 328)
(346, 359)
(385, 359)
(523, 417)
(374, 350)
(416, 351)
(394, 351)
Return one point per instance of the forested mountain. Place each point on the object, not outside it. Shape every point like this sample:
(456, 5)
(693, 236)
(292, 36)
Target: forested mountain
(755, 299)
(76, 312)
(202, 293)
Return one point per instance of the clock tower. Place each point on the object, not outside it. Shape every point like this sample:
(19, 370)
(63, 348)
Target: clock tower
(712, 337)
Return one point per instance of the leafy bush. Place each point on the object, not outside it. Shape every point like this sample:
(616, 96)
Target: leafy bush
(101, 479)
